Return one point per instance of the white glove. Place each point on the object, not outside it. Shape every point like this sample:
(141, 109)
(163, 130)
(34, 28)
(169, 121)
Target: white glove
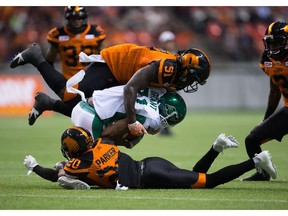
(30, 162)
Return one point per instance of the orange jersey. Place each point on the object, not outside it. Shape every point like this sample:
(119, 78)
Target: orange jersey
(97, 166)
(126, 59)
(278, 73)
(70, 45)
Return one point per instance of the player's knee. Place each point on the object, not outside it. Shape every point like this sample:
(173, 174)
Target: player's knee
(251, 140)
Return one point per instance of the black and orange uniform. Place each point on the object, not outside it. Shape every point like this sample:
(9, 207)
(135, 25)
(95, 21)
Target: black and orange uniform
(126, 59)
(97, 166)
(104, 165)
(121, 63)
(278, 73)
(274, 126)
(70, 45)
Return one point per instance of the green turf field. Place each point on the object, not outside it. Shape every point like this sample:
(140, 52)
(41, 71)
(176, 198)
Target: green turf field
(190, 140)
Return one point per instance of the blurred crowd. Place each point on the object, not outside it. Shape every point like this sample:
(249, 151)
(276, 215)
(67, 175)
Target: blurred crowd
(224, 33)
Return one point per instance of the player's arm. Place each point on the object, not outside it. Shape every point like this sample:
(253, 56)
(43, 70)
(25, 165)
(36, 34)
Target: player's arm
(32, 165)
(119, 132)
(46, 173)
(51, 54)
(273, 99)
(139, 80)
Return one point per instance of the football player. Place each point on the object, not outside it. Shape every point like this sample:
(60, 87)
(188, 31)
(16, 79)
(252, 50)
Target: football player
(135, 66)
(155, 109)
(75, 37)
(274, 63)
(102, 164)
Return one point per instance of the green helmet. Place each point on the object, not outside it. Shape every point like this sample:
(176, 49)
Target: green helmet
(172, 109)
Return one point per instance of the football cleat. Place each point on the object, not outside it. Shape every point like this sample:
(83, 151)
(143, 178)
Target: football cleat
(261, 175)
(222, 142)
(266, 164)
(70, 183)
(32, 54)
(42, 102)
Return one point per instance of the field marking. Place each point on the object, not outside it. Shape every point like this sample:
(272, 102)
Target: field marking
(145, 198)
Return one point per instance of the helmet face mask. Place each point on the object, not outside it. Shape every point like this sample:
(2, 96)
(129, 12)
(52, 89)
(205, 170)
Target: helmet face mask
(172, 109)
(275, 40)
(195, 67)
(75, 141)
(76, 17)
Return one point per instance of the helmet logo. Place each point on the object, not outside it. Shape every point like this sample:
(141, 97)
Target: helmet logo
(172, 112)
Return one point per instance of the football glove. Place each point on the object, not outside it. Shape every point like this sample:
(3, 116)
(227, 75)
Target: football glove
(30, 162)
(137, 128)
(60, 165)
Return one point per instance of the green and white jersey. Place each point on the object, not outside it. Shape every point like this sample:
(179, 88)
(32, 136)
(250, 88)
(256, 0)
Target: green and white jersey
(109, 107)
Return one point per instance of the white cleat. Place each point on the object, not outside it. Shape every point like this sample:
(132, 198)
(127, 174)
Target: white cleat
(266, 163)
(222, 142)
(70, 183)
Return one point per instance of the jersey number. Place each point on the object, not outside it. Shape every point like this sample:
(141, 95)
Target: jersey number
(73, 163)
(72, 55)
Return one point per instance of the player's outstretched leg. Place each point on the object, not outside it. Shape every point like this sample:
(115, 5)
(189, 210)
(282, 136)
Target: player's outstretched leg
(32, 54)
(42, 102)
(222, 142)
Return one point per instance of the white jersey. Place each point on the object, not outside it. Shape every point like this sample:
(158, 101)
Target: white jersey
(109, 106)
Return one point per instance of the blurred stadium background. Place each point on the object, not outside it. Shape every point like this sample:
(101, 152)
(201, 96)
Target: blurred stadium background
(231, 36)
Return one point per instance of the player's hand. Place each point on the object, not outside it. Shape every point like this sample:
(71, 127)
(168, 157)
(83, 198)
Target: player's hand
(60, 165)
(137, 129)
(30, 162)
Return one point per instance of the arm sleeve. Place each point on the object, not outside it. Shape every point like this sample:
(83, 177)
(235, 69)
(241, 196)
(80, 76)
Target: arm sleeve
(46, 173)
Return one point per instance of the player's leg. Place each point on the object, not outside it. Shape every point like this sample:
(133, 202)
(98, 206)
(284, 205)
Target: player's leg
(272, 128)
(33, 55)
(229, 173)
(222, 142)
(97, 76)
(83, 115)
(160, 173)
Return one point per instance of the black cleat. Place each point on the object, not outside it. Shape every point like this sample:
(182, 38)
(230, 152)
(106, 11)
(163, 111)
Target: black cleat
(42, 102)
(263, 176)
(32, 54)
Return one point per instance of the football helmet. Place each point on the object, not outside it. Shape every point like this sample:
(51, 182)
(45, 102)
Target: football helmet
(275, 40)
(75, 141)
(194, 69)
(76, 17)
(172, 109)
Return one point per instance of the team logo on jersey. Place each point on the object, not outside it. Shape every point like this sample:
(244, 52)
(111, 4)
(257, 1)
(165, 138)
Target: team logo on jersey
(268, 64)
(89, 36)
(64, 38)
